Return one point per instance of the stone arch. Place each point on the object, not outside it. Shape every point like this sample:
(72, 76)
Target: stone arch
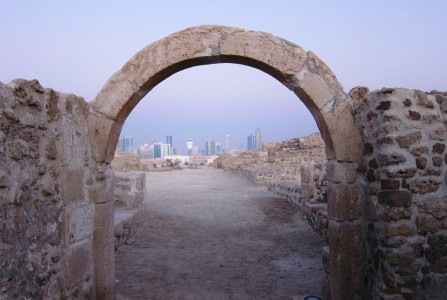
(300, 71)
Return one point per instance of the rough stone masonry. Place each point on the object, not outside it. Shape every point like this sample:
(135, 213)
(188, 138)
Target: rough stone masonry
(386, 173)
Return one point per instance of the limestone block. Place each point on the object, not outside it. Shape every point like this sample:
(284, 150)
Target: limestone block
(405, 141)
(395, 198)
(424, 186)
(427, 224)
(390, 184)
(397, 213)
(438, 134)
(436, 206)
(400, 228)
(341, 172)
(346, 259)
(78, 263)
(73, 186)
(103, 222)
(103, 245)
(101, 191)
(344, 202)
(78, 223)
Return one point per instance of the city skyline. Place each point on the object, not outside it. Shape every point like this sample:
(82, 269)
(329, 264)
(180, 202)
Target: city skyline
(210, 147)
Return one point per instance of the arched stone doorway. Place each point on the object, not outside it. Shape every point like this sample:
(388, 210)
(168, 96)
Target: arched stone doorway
(300, 71)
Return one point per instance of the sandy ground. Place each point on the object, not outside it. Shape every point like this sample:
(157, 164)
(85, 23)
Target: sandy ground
(211, 235)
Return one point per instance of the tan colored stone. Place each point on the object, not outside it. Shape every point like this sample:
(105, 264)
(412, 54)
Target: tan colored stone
(73, 186)
(79, 264)
(344, 202)
(341, 172)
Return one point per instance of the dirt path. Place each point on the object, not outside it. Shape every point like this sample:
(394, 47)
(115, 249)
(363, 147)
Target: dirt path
(212, 235)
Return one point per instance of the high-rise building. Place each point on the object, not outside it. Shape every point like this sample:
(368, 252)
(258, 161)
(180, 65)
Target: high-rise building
(169, 142)
(251, 140)
(189, 146)
(210, 148)
(161, 150)
(125, 143)
(258, 142)
(227, 143)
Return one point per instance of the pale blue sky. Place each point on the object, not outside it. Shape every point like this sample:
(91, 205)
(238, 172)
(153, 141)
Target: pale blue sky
(75, 46)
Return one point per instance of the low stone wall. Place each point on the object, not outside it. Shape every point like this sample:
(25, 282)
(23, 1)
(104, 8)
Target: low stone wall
(125, 162)
(130, 205)
(277, 164)
(130, 189)
(289, 190)
(314, 206)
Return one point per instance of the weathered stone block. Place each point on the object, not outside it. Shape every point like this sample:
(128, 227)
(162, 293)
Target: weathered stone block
(419, 150)
(73, 186)
(436, 206)
(421, 162)
(79, 264)
(346, 259)
(391, 159)
(423, 100)
(438, 148)
(438, 134)
(390, 184)
(344, 202)
(437, 161)
(423, 186)
(405, 141)
(427, 224)
(341, 172)
(414, 115)
(397, 213)
(400, 228)
(78, 223)
(395, 198)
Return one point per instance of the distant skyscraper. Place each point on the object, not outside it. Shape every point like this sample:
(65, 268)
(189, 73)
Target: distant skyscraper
(227, 143)
(210, 148)
(251, 140)
(125, 143)
(258, 142)
(189, 146)
(169, 142)
(161, 150)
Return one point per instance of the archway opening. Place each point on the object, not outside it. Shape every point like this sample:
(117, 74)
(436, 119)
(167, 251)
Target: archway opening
(272, 252)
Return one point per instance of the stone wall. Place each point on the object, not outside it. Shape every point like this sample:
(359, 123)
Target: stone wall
(129, 189)
(277, 165)
(405, 203)
(125, 162)
(46, 215)
(386, 217)
(314, 198)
